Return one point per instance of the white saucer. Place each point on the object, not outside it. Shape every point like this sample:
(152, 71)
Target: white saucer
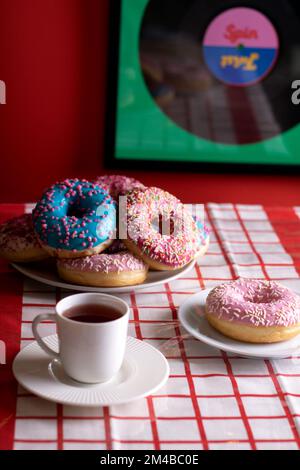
(191, 314)
(143, 372)
(46, 273)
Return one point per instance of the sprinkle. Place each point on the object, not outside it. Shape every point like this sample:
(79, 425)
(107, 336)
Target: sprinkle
(59, 230)
(17, 235)
(118, 185)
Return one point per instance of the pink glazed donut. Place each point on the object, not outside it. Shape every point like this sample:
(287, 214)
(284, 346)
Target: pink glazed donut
(161, 231)
(103, 270)
(118, 185)
(254, 311)
(18, 242)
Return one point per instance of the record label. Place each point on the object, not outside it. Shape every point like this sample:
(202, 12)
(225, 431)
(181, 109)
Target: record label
(241, 47)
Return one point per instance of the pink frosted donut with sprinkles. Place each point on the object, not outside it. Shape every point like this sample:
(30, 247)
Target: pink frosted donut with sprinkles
(160, 230)
(18, 242)
(75, 218)
(118, 185)
(254, 311)
(104, 270)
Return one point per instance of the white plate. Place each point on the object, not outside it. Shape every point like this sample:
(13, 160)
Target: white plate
(46, 273)
(191, 314)
(143, 372)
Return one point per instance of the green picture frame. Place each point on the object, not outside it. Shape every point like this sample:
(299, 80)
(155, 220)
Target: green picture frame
(140, 135)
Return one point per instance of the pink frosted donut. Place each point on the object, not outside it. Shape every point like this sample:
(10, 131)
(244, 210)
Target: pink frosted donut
(118, 185)
(18, 242)
(255, 311)
(161, 231)
(103, 270)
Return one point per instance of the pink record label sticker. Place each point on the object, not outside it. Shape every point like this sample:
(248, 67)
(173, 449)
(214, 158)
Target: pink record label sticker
(241, 47)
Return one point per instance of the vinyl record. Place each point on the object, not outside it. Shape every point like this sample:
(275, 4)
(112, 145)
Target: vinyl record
(223, 70)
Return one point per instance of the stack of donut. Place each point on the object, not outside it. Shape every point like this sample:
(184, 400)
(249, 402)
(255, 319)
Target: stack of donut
(76, 222)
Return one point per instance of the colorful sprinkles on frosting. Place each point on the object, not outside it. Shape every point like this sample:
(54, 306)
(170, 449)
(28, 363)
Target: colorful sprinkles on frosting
(17, 234)
(74, 215)
(254, 302)
(104, 263)
(175, 248)
(118, 185)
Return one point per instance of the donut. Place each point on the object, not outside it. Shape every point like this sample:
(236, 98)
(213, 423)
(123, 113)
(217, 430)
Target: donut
(254, 311)
(160, 230)
(118, 185)
(75, 218)
(18, 242)
(104, 270)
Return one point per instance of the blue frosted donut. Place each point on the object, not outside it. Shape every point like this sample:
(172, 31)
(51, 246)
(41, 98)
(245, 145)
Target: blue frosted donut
(75, 218)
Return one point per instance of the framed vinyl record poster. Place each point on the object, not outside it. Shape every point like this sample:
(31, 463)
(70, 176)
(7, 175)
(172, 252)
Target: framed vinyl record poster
(201, 83)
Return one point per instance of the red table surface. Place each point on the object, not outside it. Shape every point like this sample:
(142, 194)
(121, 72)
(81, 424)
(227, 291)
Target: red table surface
(265, 419)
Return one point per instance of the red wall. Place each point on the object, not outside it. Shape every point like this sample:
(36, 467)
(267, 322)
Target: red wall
(52, 58)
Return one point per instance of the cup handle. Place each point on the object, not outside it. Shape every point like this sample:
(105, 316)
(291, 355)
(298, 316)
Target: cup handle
(35, 323)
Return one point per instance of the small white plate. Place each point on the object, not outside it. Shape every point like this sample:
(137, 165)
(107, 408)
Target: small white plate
(46, 273)
(191, 314)
(143, 372)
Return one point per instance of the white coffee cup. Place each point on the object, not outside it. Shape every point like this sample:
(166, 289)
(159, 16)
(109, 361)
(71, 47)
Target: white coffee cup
(89, 352)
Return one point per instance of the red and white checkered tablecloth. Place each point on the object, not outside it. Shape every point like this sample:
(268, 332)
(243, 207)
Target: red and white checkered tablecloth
(212, 400)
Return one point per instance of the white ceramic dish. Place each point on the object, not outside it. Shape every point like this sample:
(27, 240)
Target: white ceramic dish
(45, 272)
(191, 314)
(143, 372)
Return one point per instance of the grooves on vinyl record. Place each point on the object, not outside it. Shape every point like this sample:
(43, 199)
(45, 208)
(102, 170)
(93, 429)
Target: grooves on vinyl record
(223, 70)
